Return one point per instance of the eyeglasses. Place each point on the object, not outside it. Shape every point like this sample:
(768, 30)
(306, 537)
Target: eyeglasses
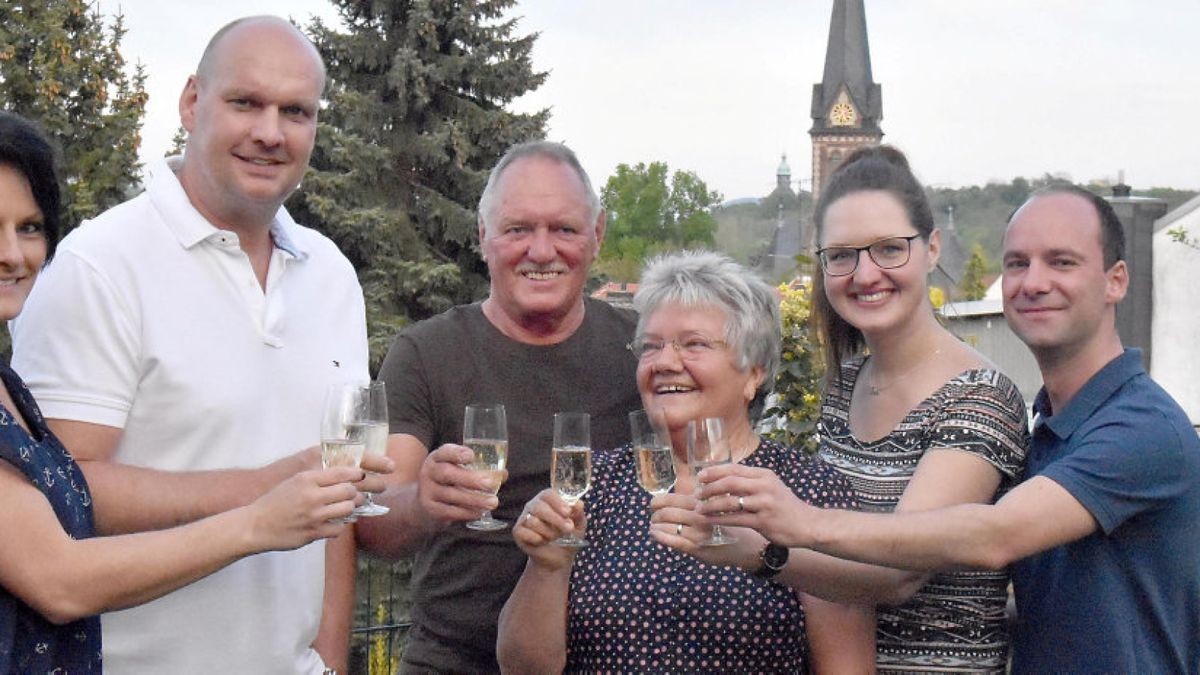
(688, 348)
(888, 253)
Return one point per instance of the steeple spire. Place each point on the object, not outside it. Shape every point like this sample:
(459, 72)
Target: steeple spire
(848, 68)
(847, 105)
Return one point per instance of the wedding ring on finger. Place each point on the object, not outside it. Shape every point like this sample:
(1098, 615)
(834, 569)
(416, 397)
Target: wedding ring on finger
(741, 503)
(678, 529)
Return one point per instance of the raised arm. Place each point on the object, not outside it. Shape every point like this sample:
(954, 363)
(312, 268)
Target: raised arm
(426, 492)
(134, 499)
(532, 636)
(1035, 516)
(65, 579)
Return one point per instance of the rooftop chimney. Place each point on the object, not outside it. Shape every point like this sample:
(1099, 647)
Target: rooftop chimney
(1121, 189)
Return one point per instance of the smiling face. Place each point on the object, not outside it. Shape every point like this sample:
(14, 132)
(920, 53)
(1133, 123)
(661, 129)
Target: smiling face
(1058, 298)
(539, 240)
(691, 386)
(873, 299)
(22, 241)
(251, 117)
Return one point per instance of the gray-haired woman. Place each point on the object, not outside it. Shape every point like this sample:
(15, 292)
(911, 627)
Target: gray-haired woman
(708, 346)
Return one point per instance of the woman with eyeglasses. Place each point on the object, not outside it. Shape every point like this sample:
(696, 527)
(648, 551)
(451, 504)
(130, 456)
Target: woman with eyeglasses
(708, 346)
(912, 416)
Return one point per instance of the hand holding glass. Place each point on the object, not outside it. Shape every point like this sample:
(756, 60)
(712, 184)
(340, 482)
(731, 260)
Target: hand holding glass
(571, 464)
(485, 432)
(652, 453)
(342, 418)
(708, 446)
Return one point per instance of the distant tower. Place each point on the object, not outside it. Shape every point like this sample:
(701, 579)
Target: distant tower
(847, 105)
(783, 175)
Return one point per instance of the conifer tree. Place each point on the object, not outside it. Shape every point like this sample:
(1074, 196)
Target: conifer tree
(972, 285)
(416, 116)
(61, 66)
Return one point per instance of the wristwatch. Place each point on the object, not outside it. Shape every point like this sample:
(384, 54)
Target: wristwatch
(773, 557)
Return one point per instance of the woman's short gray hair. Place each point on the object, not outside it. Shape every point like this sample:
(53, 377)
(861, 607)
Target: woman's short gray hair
(704, 278)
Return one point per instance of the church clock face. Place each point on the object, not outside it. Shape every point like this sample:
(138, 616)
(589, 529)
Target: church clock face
(842, 114)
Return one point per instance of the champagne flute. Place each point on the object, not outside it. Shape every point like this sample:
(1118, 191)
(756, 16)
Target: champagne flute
(708, 446)
(571, 464)
(374, 432)
(652, 454)
(341, 418)
(485, 432)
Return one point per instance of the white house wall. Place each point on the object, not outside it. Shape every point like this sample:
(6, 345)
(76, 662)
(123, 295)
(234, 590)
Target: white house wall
(1175, 341)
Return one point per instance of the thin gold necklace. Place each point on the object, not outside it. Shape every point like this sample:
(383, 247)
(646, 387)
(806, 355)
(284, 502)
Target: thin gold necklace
(876, 390)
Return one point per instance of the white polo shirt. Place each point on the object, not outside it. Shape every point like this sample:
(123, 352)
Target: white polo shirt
(152, 320)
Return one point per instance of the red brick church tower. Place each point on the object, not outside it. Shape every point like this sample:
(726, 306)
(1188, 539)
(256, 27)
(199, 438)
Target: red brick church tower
(847, 105)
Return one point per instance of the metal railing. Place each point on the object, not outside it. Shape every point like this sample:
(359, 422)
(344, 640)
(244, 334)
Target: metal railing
(381, 617)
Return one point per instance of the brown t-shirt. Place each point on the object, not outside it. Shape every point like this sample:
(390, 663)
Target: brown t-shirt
(461, 578)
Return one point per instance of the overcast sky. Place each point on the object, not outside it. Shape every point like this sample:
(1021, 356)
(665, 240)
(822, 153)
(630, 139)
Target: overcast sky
(973, 90)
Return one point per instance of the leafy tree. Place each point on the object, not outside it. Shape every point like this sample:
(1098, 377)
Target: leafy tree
(415, 118)
(61, 65)
(972, 285)
(646, 215)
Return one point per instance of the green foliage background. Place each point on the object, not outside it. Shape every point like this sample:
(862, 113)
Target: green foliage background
(61, 65)
(416, 117)
(647, 215)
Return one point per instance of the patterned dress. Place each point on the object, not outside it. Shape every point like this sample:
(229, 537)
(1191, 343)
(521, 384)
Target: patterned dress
(28, 642)
(956, 623)
(636, 606)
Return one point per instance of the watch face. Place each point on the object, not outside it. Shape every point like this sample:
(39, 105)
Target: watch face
(841, 114)
(775, 556)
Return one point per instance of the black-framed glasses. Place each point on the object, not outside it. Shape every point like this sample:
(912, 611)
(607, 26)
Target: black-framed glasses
(687, 347)
(887, 253)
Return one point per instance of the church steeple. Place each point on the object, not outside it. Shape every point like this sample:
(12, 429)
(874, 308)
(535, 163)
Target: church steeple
(847, 105)
(783, 175)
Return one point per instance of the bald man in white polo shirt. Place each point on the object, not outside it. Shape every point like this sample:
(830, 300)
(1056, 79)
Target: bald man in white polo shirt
(181, 344)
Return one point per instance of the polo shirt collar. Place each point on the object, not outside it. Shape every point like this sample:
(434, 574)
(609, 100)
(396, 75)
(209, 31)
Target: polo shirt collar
(1099, 389)
(190, 227)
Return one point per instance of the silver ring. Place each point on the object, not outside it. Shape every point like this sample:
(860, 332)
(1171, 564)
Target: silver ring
(741, 503)
(678, 529)
(525, 518)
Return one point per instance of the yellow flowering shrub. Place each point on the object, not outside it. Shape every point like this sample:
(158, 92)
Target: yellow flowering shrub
(792, 412)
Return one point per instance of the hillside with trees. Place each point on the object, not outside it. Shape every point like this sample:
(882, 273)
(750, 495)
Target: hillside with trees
(979, 213)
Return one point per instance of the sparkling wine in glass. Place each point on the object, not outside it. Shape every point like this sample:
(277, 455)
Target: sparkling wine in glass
(652, 454)
(342, 416)
(485, 432)
(374, 432)
(571, 464)
(708, 446)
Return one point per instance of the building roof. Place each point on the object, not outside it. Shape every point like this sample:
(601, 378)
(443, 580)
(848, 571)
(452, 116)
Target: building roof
(616, 293)
(1177, 213)
(985, 307)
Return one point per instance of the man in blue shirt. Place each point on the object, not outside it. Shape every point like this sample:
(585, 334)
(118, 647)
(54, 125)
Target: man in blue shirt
(1104, 533)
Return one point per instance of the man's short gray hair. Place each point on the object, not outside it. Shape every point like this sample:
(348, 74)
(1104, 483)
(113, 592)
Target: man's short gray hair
(550, 150)
(707, 279)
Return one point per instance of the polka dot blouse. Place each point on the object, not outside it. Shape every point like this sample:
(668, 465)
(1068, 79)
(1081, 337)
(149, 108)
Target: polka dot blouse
(638, 606)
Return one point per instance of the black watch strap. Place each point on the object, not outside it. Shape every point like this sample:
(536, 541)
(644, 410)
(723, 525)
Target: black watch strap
(773, 558)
